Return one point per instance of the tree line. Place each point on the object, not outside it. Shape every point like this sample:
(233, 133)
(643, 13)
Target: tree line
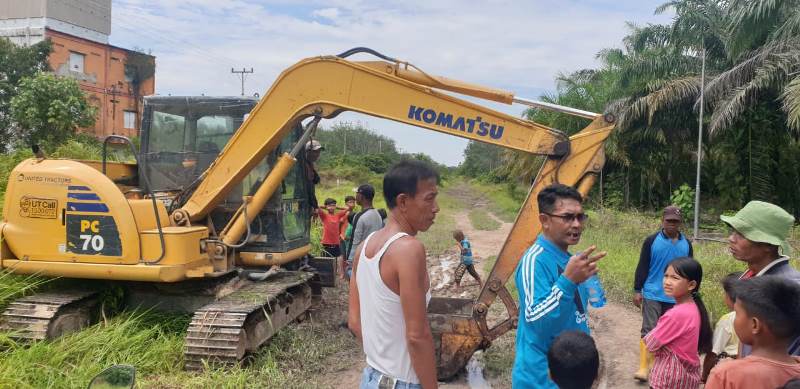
(652, 83)
(349, 145)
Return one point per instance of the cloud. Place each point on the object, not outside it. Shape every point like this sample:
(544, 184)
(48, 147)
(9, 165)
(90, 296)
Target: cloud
(327, 13)
(514, 45)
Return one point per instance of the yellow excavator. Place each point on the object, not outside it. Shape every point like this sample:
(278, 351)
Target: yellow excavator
(213, 218)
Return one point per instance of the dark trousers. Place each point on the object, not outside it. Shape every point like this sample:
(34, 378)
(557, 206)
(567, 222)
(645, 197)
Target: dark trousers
(652, 310)
(466, 268)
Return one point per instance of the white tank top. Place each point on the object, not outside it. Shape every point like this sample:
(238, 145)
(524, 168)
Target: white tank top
(383, 327)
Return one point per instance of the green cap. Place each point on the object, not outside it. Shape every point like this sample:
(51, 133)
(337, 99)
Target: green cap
(763, 222)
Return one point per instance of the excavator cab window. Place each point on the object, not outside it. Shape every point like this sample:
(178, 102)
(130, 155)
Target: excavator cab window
(284, 223)
(182, 136)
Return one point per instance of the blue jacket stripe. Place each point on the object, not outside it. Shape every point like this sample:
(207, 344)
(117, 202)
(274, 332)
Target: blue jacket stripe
(546, 306)
(529, 262)
(529, 278)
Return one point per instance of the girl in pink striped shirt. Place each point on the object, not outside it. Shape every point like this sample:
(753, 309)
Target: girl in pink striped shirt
(682, 332)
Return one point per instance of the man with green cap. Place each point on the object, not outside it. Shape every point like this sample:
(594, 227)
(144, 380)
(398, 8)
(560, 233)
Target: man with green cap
(758, 238)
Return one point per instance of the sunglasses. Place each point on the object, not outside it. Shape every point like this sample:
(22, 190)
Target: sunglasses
(570, 217)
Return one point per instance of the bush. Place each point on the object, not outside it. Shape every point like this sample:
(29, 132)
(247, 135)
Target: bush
(683, 197)
(49, 108)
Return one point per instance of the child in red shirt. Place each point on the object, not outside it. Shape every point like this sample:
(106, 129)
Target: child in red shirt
(767, 316)
(331, 223)
(682, 331)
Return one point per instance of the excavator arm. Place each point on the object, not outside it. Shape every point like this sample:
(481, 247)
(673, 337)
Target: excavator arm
(322, 87)
(325, 86)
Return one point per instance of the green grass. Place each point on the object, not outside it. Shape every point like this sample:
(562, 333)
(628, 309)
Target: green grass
(621, 234)
(153, 343)
(13, 286)
(147, 341)
(481, 220)
(501, 201)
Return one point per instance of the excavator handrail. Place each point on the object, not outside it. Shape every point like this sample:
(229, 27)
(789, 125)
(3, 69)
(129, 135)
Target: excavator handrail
(147, 189)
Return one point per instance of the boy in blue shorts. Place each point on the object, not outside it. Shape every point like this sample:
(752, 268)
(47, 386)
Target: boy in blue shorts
(466, 264)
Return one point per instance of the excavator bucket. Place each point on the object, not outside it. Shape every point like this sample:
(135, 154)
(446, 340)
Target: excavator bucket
(456, 335)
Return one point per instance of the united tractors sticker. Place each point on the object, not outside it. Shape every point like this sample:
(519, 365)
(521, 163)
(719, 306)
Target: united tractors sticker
(39, 208)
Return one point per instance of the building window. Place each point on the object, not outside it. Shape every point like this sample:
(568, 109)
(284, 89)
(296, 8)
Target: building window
(76, 61)
(130, 119)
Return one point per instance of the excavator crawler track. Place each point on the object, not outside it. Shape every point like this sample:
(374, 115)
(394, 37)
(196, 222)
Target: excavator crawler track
(223, 333)
(49, 315)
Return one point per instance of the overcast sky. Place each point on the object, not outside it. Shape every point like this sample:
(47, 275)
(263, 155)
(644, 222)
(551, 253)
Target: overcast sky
(514, 45)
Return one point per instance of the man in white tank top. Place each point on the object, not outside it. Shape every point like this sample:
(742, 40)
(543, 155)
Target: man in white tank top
(390, 286)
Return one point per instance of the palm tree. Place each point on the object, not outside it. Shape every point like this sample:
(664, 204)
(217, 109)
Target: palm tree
(652, 84)
(764, 46)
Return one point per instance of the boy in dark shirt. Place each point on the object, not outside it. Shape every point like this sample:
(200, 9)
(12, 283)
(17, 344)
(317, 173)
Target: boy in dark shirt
(767, 313)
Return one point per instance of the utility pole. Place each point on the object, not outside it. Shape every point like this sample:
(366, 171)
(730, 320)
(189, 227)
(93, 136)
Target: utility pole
(242, 74)
(699, 147)
(114, 102)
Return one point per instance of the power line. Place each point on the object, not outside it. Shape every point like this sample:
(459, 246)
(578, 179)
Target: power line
(142, 21)
(136, 27)
(172, 42)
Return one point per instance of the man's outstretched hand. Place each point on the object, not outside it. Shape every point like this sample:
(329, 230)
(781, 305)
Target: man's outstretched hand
(583, 265)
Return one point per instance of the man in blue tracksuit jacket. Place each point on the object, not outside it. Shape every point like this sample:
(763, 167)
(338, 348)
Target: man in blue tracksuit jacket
(549, 279)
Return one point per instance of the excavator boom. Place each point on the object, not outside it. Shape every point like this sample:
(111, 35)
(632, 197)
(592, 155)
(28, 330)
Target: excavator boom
(326, 86)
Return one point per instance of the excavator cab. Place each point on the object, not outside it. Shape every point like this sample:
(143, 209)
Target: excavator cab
(181, 138)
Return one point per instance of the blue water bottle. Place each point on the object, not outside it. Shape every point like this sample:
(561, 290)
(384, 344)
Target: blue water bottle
(597, 297)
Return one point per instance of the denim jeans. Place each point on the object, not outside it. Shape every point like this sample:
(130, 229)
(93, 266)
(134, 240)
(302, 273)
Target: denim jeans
(369, 380)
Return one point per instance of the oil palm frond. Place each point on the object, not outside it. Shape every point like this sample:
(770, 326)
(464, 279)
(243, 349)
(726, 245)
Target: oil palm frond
(791, 103)
(659, 65)
(648, 37)
(671, 93)
(750, 82)
(790, 28)
(753, 23)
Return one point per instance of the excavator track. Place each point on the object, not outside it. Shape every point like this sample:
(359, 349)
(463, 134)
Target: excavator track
(50, 315)
(223, 333)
